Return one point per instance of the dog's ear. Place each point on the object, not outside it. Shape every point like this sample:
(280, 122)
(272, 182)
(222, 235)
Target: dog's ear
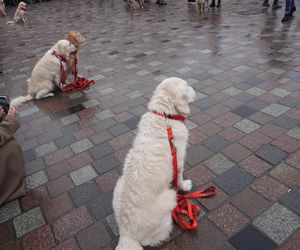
(182, 104)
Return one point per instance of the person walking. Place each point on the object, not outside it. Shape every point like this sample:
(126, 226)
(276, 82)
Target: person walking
(290, 8)
(213, 4)
(275, 4)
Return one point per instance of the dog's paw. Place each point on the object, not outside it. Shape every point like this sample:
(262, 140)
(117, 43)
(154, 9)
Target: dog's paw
(186, 185)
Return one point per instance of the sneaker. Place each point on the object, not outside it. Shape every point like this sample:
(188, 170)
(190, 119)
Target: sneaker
(266, 4)
(276, 6)
(293, 9)
(285, 18)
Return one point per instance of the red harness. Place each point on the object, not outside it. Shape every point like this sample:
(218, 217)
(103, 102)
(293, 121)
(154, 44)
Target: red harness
(185, 213)
(79, 83)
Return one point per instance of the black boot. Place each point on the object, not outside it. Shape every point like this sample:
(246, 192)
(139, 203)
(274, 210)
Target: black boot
(219, 4)
(293, 9)
(285, 18)
(213, 4)
(266, 3)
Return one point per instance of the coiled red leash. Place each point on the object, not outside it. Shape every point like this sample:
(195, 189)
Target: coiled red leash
(79, 83)
(185, 213)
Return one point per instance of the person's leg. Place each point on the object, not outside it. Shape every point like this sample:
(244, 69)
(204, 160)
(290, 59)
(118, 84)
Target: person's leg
(212, 4)
(219, 4)
(287, 10)
(293, 8)
(266, 3)
(276, 5)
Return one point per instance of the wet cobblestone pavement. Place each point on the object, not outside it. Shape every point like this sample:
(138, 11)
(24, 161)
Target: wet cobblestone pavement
(244, 126)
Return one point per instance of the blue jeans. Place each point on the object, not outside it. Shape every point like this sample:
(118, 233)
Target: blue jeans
(288, 5)
(275, 2)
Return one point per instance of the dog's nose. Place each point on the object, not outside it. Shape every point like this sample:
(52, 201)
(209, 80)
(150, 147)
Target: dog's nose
(194, 88)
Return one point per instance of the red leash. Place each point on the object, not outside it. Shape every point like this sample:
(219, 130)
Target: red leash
(185, 213)
(79, 83)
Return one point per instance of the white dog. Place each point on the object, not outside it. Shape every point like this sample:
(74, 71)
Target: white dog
(143, 199)
(201, 4)
(2, 8)
(46, 74)
(20, 14)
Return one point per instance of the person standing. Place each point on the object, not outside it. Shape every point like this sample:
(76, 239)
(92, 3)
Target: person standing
(213, 4)
(290, 8)
(275, 5)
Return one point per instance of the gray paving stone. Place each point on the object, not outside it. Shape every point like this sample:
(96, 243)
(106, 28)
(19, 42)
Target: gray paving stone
(275, 109)
(69, 119)
(35, 180)
(104, 115)
(219, 163)
(285, 122)
(205, 103)
(278, 223)
(84, 193)
(271, 154)
(90, 103)
(295, 133)
(29, 111)
(291, 200)
(232, 91)
(238, 180)
(101, 150)
(9, 210)
(45, 149)
(119, 129)
(112, 223)
(290, 102)
(83, 174)
(106, 163)
(246, 126)
(280, 92)
(216, 143)
(243, 111)
(28, 221)
(197, 154)
(256, 91)
(102, 205)
(81, 146)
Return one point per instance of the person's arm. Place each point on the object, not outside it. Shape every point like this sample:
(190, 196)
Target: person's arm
(8, 126)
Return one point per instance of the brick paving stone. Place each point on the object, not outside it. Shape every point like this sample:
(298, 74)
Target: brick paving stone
(89, 237)
(42, 238)
(269, 188)
(251, 238)
(275, 109)
(195, 137)
(84, 192)
(200, 118)
(122, 141)
(212, 202)
(53, 208)
(294, 160)
(286, 174)
(246, 126)
(272, 130)
(232, 91)
(35, 180)
(250, 203)
(285, 122)
(216, 143)
(277, 222)
(121, 154)
(205, 103)
(255, 91)
(69, 119)
(101, 150)
(207, 236)
(107, 181)
(261, 118)
(71, 223)
(28, 221)
(81, 146)
(34, 198)
(227, 120)
(6, 232)
(231, 134)
(70, 244)
(239, 179)
(255, 140)
(34, 166)
(58, 156)
(9, 210)
(228, 219)
(60, 185)
(293, 243)
(236, 152)
(255, 166)
(11, 245)
(80, 160)
(287, 143)
(112, 223)
(58, 169)
(199, 175)
(295, 133)
(100, 137)
(271, 154)
(210, 129)
(83, 174)
(101, 206)
(292, 200)
(45, 149)
(218, 163)
(64, 141)
(197, 154)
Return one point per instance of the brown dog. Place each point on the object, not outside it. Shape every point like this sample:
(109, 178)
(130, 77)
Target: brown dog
(76, 39)
(201, 5)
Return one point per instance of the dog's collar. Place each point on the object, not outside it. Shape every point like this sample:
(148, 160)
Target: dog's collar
(60, 57)
(173, 117)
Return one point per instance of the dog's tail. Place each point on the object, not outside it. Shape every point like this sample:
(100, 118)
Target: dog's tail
(9, 22)
(20, 100)
(127, 243)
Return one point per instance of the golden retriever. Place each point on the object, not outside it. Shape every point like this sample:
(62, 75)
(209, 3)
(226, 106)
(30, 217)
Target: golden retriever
(46, 75)
(2, 8)
(76, 39)
(20, 14)
(143, 199)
